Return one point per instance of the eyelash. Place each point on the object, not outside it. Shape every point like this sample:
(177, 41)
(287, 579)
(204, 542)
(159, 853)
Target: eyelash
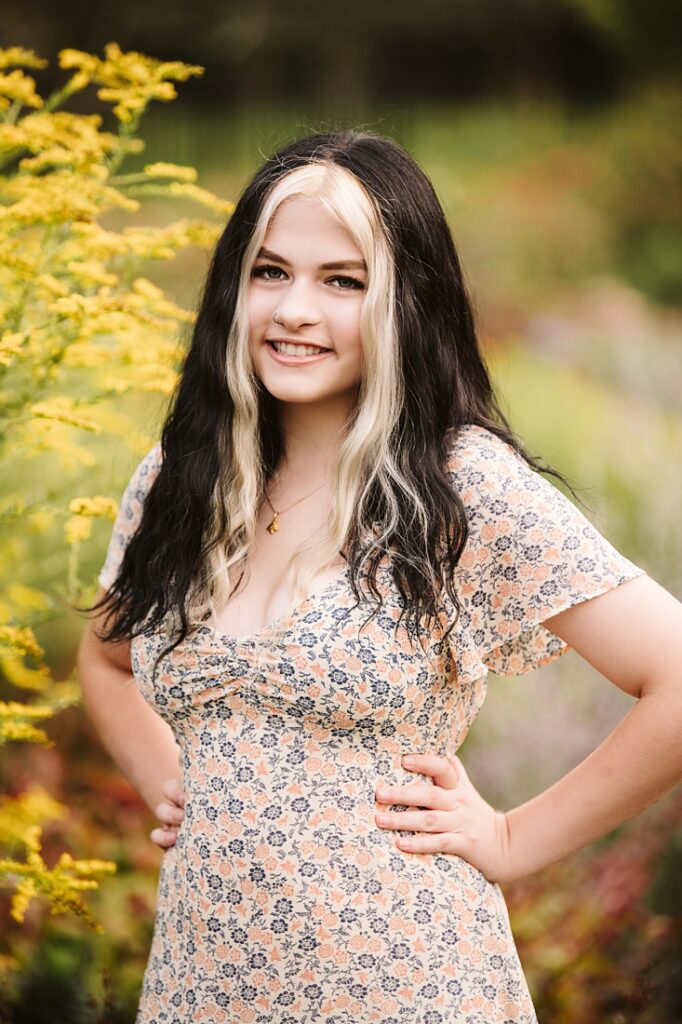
(260, 272)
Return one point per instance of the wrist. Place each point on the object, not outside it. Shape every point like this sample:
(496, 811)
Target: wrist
(513, 864)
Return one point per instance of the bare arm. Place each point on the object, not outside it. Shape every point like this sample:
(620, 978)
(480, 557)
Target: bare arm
(139, 741)
(632, 635)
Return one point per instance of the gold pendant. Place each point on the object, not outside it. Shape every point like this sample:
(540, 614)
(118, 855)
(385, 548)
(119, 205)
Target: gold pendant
(273, 527)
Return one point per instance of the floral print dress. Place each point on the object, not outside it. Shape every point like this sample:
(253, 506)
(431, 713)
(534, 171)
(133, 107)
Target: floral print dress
(282, 900)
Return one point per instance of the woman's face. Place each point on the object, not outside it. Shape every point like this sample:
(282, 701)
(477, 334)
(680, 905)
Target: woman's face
(311, 276)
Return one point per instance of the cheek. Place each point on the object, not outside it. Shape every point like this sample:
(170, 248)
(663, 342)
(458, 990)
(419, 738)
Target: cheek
(260, 308)
(349, 326)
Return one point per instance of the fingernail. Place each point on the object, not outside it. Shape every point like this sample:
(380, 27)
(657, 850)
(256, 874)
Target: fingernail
(408, 760)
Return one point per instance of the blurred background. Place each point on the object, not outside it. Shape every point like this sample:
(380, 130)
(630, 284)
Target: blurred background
(550, 129)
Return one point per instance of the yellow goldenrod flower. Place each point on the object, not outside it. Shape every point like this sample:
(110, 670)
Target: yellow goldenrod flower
(50, 282)
(201, 195)
(82, 322)
(21, 816)
(27, 598)
(21, 639)
(77, 528)
(10, 346)
(84, 62)
(141, 286)
(41, 520)
(13, 709)
(161, 170)
(16, 86)
(20, 675)
(51, 411)
(22, 732)
(61, 884)
(97, 506)
(91, 272)
(13, 56)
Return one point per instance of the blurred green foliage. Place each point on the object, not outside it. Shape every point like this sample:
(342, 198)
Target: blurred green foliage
(566, 225)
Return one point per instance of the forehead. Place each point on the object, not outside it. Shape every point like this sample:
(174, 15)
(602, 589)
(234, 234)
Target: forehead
(303, 226)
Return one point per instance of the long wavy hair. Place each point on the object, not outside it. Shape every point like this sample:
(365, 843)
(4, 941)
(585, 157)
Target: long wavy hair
(423, 378)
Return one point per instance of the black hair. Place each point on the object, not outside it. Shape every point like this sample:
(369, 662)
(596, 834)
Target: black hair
(446, 385)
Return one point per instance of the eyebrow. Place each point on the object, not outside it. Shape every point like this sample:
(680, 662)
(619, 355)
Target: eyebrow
(334, 265)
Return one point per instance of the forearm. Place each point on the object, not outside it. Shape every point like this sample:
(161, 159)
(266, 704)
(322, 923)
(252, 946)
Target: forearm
(633, 767)
(139, 741)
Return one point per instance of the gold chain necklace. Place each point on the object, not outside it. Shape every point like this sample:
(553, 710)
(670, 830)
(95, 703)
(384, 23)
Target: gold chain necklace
(274, 525)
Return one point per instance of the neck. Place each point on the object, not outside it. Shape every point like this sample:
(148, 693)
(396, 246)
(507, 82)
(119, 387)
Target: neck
(313, 435)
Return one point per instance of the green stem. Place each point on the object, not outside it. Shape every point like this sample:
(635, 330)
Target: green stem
(51, 103)
(60, 95)
(12, 114)
(72, 572)
(16, 316)
(126, 132)
(128, 179)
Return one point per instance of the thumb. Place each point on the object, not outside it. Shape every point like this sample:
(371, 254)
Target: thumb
(458, 769)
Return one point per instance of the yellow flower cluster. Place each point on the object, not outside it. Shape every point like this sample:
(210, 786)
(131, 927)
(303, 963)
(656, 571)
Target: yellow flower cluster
(19, 674)
(16, 87)
(10, 345)
(86, 331)
(97, 506)
(65, 412)
(19, 814)
(59, 198)
(61, 884)
(79, 526)
(161, 170)
(21, 639)
(14, 56)
(16, 723)
(129, 80)
(59, 139)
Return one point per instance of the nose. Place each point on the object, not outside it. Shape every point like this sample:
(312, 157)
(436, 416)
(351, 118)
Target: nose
(297, 307)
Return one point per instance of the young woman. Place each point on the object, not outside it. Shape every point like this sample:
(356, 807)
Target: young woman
(309, 578)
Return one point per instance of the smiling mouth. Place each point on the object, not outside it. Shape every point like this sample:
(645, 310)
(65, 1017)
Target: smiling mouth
(298, 350)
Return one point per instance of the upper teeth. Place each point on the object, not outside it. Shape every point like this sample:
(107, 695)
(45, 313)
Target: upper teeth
(297, 350)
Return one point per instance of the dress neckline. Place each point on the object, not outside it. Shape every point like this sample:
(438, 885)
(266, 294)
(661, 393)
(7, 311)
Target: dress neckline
(283, 621)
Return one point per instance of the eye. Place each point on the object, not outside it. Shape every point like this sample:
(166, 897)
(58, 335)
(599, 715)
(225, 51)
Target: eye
(349, 283)
(265, 270)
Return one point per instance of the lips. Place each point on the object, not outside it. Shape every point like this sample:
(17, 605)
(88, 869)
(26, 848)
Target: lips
(290, 360)
(299, 344)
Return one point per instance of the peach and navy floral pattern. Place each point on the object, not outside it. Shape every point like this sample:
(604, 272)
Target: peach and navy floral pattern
(282, 901)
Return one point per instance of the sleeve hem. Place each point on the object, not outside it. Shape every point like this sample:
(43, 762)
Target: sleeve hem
(501, 657)
(604, 587)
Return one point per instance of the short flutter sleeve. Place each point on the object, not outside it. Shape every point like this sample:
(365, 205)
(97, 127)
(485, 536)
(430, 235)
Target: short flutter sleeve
(129, 514)
(530, 555)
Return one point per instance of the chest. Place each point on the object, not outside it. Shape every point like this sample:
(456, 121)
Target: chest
(330, 666)
(263, 594)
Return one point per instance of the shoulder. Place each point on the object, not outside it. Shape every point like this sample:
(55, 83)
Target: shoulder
(499, 488)
(148, 468)
(476, 456)
(141, 481)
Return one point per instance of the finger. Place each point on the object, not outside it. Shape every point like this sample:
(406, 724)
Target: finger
(172, 788)
(169, 814)
(415, 796)
(440, 842)
(163, 837)
(415, 821)
(466, 786)
(439, 767)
